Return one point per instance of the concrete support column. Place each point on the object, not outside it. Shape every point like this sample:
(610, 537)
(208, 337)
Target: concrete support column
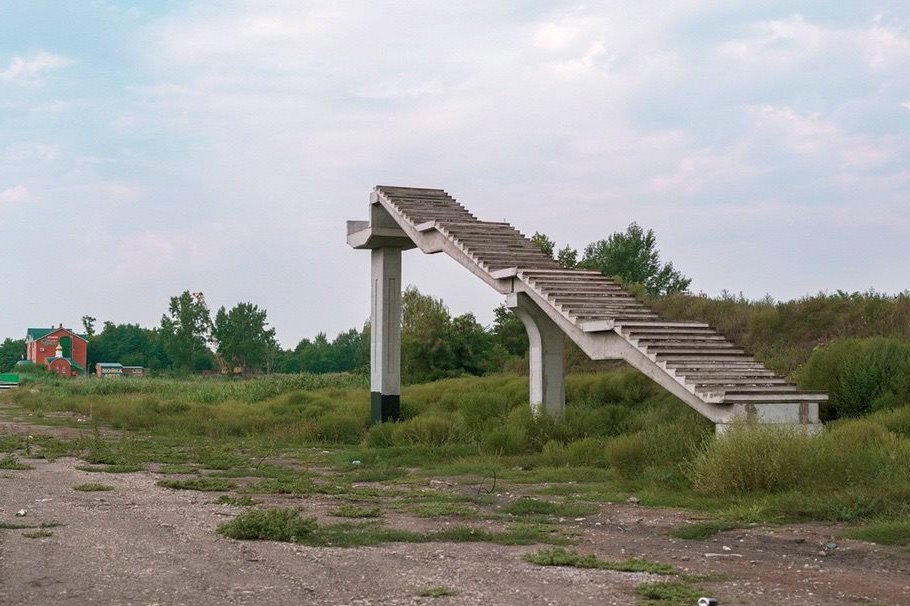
(385, 334)
(546, 356)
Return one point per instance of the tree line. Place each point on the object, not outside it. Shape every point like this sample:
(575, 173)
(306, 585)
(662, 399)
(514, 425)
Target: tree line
(435, 344)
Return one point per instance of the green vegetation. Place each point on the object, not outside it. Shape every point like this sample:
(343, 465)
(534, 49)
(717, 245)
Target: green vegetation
(13, 463)
(357, 511)
(38, 534)
(200, 484)
(436, 592)
(93, 487)
(700, 531)
(668, 593)
(558, 556)
(286, 524)
(885, 533)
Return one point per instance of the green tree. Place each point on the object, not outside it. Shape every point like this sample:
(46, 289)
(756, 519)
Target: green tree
(88, 325)
(243, 336)
(184, 331)
(11, 351)
(129, 344)
(509, 331)
(632, 256)
(567, 255)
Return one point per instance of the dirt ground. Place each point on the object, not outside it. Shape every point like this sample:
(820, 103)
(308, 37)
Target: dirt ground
(143, 544)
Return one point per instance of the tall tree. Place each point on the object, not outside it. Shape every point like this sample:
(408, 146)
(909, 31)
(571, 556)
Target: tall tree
(184, 330)
(544, 243)
(129, 344)
(243, 336)
(88, 325)
(632, 256)
(509, 331)
(11, 351)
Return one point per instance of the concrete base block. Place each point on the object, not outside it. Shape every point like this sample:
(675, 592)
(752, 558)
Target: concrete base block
(384, 407)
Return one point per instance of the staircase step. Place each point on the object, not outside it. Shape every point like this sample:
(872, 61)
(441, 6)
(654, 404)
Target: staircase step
(662, 324)
(783, 398)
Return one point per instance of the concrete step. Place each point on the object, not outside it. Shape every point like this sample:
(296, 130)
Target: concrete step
(770, 398)
(662, 324)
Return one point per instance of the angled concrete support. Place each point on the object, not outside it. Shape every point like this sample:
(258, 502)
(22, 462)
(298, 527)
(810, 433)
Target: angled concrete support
(547, 365)
(385, 334)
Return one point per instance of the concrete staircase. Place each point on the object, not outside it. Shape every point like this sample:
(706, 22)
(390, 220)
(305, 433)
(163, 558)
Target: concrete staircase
(690, 359)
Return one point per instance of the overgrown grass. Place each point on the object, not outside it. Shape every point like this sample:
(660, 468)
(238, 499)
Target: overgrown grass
(558, 556)
(668, 593)
(886, 533)
(356, 511)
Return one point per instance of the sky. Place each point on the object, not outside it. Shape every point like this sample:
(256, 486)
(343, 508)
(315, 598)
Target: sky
(147, 148)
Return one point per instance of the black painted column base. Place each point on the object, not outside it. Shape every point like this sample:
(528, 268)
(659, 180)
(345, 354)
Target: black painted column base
(384, 408)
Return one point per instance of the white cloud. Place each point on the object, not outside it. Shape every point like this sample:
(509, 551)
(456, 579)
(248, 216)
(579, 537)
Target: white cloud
(33, 69)
(14, 195)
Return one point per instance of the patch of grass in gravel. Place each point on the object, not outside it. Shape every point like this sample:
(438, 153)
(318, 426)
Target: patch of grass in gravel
(241, 501)
(376, 474)
(38, 534)
(17, 526)
(440, 510)
(357, 511)
(287, 525)
(287, 485)
(436, 592)
(177, 469)
(668, 593)
(110, 468)
(93, 487)
(200, 484)
(699, 531)
(558, 556)
(883, 533)
(525, 507)
(13, 463)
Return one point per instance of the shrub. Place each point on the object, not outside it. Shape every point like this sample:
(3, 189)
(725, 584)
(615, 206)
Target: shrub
(381, 435)
(506, 440)
(752, 458)
(427, 429)
(587, 452)
(269, 525)
(339, 428)
(859, 375)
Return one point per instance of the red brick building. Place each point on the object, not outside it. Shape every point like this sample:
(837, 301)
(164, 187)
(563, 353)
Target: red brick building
(60, 349)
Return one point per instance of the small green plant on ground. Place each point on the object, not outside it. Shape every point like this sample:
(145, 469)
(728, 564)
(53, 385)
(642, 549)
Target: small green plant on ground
(884, 533)
(270, 525)
(699, 531)
(16, 526)
(524, 507)
(668, 593)
(238, 501)
(110, 468)
(440, 510)
(287, 525)
(177, 469)
(201, 484)
(437, 592)
(558, 556)
(357, 511)
(37, 534)
(13, 463)
(93, 487)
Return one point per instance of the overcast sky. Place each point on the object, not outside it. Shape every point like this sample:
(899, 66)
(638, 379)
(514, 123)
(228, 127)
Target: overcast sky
(148, 148)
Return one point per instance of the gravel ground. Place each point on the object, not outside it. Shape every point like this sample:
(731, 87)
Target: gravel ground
(143, 544)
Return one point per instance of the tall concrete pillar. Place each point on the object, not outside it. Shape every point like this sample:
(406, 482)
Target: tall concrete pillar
(385, 334)
(546, 357)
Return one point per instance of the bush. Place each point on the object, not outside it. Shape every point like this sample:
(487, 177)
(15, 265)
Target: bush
(506, 440)
(860, 375)
(427, 429)
(753, 458)
(269, 525)
(339, 428)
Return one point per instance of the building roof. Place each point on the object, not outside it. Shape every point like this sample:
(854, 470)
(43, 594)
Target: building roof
(109, 364)
(69, 360)
(33, 334)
